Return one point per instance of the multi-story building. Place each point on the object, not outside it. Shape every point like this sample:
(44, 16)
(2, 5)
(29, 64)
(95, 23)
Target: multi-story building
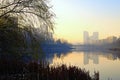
(86, 37)
(90, 39)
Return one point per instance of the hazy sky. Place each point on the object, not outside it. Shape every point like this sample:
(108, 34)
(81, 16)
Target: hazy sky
(75, 16)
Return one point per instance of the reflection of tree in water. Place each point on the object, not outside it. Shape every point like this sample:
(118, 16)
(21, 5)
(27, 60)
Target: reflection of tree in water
(113, 56)
(95, 56)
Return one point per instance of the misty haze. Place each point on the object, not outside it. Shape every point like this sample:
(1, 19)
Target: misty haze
(59, 39)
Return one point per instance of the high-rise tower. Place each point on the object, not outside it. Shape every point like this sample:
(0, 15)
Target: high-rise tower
(86, 37)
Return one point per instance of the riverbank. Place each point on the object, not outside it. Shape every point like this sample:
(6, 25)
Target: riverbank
(115, 49)
(17, 70)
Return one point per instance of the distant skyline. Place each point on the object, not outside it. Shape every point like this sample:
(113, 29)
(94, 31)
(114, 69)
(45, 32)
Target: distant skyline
(73, 17)
(87, 39)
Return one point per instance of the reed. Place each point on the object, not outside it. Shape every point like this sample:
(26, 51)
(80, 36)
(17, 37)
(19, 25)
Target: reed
(18, 70)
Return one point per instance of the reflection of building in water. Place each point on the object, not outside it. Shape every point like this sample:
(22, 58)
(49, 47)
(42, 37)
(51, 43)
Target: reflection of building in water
(88, 56)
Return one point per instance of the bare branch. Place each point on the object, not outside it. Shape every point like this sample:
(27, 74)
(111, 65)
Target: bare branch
(33, 12)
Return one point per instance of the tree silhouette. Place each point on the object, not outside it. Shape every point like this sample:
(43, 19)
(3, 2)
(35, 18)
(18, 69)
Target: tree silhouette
(27, 16)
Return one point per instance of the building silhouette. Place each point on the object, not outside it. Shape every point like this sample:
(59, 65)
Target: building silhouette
(95, 36)
(86, 37)
(90, 39)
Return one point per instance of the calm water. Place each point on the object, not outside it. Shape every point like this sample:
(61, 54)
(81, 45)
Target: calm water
(108, 64)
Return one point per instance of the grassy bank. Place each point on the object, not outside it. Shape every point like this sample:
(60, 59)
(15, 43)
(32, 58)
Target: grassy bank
(18, 70)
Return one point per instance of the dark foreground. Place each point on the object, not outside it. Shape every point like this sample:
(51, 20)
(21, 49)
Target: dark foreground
(17, 70)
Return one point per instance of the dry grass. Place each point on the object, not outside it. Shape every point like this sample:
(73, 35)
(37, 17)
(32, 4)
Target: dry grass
(17, 70)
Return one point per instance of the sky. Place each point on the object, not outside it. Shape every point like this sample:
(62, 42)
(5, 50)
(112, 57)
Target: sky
(73, 17)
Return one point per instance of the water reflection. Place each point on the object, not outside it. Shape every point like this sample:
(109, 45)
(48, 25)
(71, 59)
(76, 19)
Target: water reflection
(89, 56)
(107, 64)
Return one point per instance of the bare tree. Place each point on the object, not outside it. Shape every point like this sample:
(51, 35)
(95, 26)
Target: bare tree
(30, 13)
